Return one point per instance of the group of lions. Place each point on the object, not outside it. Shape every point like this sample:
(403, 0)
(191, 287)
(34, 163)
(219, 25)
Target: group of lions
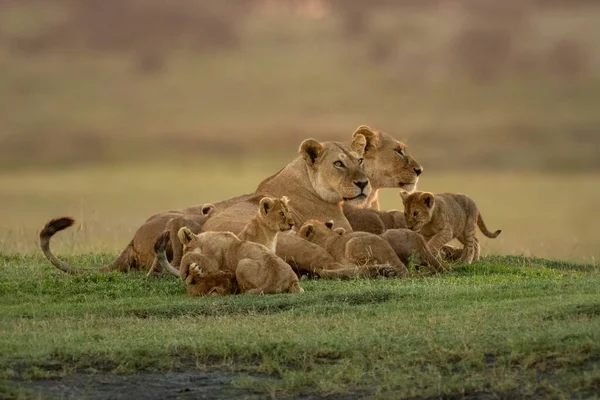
(319, 216)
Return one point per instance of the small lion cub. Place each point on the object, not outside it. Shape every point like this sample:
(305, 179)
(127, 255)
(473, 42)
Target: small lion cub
(443, 217)
(273, 216)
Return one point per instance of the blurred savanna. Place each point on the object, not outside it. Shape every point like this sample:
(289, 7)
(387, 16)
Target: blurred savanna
(111, 111)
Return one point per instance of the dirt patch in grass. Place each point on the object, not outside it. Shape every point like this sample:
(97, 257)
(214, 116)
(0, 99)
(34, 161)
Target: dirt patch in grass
(145, 385)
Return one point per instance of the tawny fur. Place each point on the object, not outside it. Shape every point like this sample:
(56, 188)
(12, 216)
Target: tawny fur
(273, 216)
(354, 248)
(139, 253)
(406, 243)
(373, 221)
(443, 217)
(257, 270)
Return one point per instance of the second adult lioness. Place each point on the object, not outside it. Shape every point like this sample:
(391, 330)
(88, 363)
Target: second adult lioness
(353, 248)
(443, 217)
(256, 269)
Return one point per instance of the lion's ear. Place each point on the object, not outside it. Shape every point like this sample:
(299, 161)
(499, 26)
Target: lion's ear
(306, 231)
(310, 150)
(428, 199)
(185, 235)
(371, 137)
(207, 209)
(340, 231)
(266, 204)
(329, 224)
(359, 143)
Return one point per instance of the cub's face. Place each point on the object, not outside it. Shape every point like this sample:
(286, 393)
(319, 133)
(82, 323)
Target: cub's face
(318, 232)
(276, 213)
(418, 209)
(336, 171)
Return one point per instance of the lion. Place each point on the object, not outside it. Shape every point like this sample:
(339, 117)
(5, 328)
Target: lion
(273, 216)
(374, 221)
(139, 253)
(443, 217)
(406, 243)
(219, 256)
(355, 248)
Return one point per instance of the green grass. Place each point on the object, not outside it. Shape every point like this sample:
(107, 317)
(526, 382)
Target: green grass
(512, 326)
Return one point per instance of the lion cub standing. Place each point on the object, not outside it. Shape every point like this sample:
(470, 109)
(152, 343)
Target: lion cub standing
(443, 217)
(273, 216)
(358, 248)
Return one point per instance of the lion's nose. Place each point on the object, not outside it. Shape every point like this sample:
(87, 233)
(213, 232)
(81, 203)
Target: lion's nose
(361, 184)
(418, 171)
(291, 224)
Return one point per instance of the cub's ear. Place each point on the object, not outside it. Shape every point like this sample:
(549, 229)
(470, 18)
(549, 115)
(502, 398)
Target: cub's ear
(266, 204)
(185, 235)
(371, 137)
(306, 231)
(340, 231)
(359, 143)
(329, 224)
(285, 200)
(208, 209)
(428, 199)
(310, 150)
(404, 194)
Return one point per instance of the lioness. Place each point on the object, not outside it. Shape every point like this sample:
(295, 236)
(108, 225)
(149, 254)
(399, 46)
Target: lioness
(443, 217)
(139, 253)
(273, 216)
(257, 270)
(355, 248)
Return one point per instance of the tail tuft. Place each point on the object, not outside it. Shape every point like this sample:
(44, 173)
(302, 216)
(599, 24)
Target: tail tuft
(56, 225)
(161, 242)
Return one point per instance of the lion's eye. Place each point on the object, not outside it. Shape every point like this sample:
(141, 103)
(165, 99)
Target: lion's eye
(415, 213)
(339, 164)
(281, 214)
(360, 161)
(400, 152)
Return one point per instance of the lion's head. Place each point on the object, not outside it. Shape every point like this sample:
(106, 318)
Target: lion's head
(386, 160)
(276, 214)
(203, 279)
(336, 170)
(318, 232)
(418, 208)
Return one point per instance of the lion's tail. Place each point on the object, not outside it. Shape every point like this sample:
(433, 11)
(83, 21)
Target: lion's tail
(122, 263)
(484, 229)
(160, 248)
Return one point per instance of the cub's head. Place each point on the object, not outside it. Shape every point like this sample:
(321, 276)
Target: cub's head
(336, 170)
(318, 232)
(418, 208)
(386, 160)
(203, 279)
(275, 213)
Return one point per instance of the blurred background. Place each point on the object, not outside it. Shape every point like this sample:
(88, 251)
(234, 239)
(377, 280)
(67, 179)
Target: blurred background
(113, 110)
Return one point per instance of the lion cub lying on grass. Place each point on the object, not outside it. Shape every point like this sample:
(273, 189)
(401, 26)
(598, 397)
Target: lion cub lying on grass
(358, 248)
(214, 261)
(443, 217)
(221, 256)
(273, 216)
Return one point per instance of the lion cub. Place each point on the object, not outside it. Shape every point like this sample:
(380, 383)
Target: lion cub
(273, 216)
(222, 255)
(358, 248)
(443, 217)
